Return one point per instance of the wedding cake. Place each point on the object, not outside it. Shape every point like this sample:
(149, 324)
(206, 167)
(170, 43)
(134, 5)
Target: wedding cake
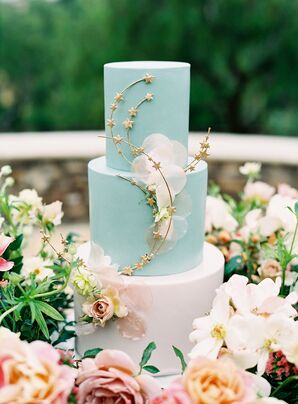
(150, 272)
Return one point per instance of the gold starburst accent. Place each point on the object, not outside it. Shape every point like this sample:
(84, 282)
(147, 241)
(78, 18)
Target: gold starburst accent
(148, 78)
(150, 201)
(114, 106)
(118, 97)
(156, 166)
(128, 123)
(127, 270)
(192, 167)
(156, 235)
(149, 97)
(136, 151)
(111, 123)
(118, 139)
(133, 111)
(146, 259)
(139, 265)
(171, 210)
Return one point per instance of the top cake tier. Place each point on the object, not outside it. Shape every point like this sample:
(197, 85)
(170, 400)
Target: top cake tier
(163, 89)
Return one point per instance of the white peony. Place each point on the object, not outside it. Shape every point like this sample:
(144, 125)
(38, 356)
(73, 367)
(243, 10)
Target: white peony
(218, 215)
(52, 213)
(250, 169)
(259, 190)
(37, 266)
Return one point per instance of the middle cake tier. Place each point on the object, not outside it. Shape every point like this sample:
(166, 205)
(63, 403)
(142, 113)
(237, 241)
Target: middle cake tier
(122, 224)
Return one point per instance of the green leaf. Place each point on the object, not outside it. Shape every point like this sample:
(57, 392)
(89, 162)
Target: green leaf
(147, 354)
(33, 310)
(49, 310)
(66, 333)
(16, 244)
(91, 353)
(233, 264)
(180, 356)
(151, 369)
(296, 208)
(41, 322)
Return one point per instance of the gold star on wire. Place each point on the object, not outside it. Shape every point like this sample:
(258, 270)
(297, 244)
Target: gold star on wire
(111, 123)
(127, 123)
(192, 167)
(171, 210)
(198, 156)
(156, 235)
(148, 97)
(118, 139)
(133, 111)
(205, 145)
(118, 97)
(127, 270)
(204, 154)
(45, 238)
(150, 201)
(148, 78)
(139, 265)
(156, 166)
(114, 106)
(146, 259)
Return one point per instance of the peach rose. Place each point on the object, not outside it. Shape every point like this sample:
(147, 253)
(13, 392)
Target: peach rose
(174, 394)
(111, 378)
(31, 373)
(217, 382)
(259, 190)
(270, 269)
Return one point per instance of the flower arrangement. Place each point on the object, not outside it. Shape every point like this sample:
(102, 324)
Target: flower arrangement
(245, 349)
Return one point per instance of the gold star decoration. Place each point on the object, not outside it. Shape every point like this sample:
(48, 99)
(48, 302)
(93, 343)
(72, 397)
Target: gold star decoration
(148, 78)
(133, 111)
(111, 123)
(171, 210)
(127, 270)
(146, 259)
(136, 151)
(150, 201)
(118, 97)
(156, 235)
(45, 238)
(127, 123)
(198, 156)
(139, 265)
(156, 166)
(192, 167)
(114, 106)
(148, 97)
(204, 154)
(118, 139)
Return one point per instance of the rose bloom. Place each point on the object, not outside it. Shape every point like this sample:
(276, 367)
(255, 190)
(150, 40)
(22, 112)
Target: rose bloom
(174, 394)
(111, 378)
(217, 382)
(31, 373)
(270, 269)
(259, 190)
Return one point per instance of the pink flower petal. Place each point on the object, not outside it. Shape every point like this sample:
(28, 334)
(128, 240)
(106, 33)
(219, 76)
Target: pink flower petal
(5, 265)
(117, 359)
(4, 243)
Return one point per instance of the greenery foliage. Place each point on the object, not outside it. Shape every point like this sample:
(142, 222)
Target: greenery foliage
(243, 55)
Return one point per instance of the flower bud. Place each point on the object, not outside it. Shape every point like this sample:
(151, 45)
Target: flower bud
(5, 170)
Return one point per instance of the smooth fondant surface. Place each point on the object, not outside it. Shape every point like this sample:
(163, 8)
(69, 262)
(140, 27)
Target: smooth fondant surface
(176, 300)
(120, 217)
(167, 113)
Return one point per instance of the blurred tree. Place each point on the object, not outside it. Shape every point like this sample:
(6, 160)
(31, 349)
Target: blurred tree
(244, 56)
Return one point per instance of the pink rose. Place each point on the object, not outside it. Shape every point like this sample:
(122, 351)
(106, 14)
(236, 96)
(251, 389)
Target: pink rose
(4, 243)
(111, 378)
(286, 190)
(174, 394)
(30, 373)
(259, 190)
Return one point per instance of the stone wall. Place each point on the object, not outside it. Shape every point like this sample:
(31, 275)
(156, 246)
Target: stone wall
(66, 180)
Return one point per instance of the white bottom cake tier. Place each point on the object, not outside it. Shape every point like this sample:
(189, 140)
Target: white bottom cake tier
(166, 309)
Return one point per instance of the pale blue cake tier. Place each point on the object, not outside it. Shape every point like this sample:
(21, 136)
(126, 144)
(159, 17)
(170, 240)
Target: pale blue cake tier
(120, 217)
(167, 113)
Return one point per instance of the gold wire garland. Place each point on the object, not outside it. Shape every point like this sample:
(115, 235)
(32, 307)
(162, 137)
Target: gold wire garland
(118, 140)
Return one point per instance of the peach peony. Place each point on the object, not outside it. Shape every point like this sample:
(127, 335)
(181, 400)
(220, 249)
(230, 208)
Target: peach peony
(111, 378)
(31, 373)
(217, 382)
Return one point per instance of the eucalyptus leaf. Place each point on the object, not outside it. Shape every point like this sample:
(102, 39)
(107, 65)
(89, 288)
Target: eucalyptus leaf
(151, 369)
(91, 353)
(147, 354)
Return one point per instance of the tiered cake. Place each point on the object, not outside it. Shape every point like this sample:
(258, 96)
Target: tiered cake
(147, 207)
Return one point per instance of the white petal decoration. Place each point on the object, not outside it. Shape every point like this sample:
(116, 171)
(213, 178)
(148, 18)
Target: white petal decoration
(183, 204)
(179, 152)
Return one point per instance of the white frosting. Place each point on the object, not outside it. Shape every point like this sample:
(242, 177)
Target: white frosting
(175, 301)
(146, 65)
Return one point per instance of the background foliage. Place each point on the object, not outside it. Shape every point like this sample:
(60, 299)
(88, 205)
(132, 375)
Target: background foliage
(244, 55)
